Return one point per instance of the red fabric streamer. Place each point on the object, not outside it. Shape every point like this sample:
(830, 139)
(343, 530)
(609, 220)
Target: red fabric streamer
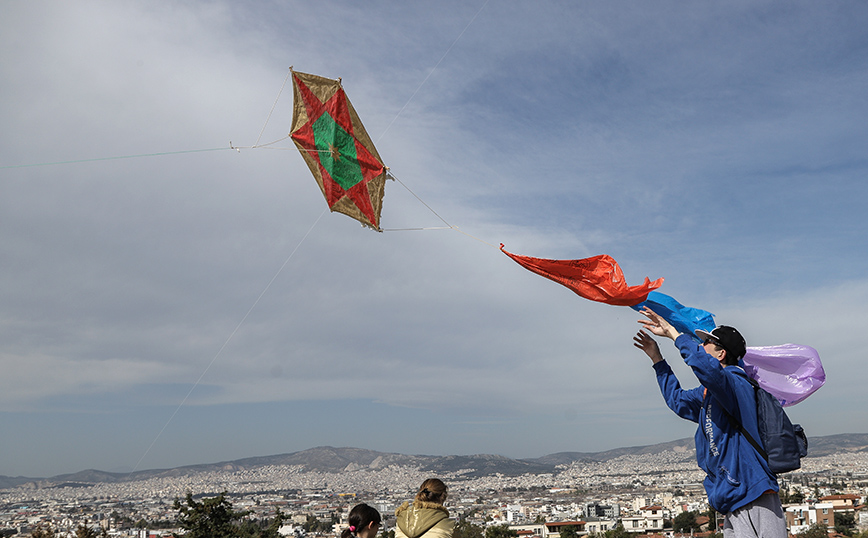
(598, 278)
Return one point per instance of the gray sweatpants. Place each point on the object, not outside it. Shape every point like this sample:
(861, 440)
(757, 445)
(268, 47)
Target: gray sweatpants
(763, 518)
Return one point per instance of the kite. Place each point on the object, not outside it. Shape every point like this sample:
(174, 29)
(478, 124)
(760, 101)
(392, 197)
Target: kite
(598, 278)
(341, 156)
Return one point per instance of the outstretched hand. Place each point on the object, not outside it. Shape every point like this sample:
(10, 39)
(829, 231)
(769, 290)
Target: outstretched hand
(648, 345)
(657, 325)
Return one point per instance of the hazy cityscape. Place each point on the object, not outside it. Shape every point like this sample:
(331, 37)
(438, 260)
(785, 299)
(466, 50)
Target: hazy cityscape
(643, 490)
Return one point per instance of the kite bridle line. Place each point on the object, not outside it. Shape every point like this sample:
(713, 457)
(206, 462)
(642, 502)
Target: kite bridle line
(258, 145)
(289, 72)
(448, 226)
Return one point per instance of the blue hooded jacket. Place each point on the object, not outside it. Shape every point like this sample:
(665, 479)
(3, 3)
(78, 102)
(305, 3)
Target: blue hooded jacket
(736, 474)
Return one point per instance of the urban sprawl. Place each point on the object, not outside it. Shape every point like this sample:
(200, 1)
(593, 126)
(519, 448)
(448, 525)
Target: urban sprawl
(643, 493)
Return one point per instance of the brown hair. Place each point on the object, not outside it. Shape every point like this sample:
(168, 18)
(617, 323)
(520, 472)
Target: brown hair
(432, 490)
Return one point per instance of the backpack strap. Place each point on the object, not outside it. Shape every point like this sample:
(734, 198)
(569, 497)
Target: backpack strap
(738, 426)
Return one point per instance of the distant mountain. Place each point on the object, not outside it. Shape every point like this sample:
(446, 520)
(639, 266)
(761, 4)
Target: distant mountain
(842, 442)
(333, 460)
(566, 458)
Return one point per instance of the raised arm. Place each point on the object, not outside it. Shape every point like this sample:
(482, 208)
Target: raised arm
(657, 325)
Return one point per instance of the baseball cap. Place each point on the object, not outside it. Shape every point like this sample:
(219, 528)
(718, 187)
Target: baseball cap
(730, 339)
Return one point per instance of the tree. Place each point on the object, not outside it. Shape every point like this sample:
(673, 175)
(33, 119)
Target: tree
(714, 523)
(618, 532)
(211, 518)
(817, 530)
(466, 529)
(685, 522)
(83, 531)
(844, 523)
(311, 524)
(40, 532)
(500, 531)
(274, 526)
(569, 531)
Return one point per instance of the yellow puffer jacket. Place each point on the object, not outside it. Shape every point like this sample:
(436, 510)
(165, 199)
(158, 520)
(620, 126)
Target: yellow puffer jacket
(418, 519)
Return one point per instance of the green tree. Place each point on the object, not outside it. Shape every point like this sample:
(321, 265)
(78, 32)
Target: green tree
(212, 518)
(311, 524)
(685, 522)
(713, 520)
(845, 522)
(466, 529)
(569, 531)
(500, 531)
(275, 524)
(391, 533)
(817, 530)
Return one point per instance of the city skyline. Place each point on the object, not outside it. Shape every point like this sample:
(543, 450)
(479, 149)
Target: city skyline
(167, 300)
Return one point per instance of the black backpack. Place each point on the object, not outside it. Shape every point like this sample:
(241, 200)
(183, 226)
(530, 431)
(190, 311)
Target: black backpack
(784, 444)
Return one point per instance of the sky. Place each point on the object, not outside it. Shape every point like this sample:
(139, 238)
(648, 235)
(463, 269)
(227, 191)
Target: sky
(166, 300)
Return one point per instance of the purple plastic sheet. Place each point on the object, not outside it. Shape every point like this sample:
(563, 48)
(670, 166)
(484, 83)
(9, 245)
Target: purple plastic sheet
(790, 372)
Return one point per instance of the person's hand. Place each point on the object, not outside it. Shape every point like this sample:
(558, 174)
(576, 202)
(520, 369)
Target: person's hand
(657, 325)
(648, 345)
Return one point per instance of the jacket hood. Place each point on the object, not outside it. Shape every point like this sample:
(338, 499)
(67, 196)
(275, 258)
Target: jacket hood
(416, 518)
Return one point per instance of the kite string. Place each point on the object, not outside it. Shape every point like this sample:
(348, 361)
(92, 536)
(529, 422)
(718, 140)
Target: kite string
(115, 158)
(424, 81)
(432, 71)
(226, 343)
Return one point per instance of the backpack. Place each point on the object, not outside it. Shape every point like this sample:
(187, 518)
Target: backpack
(783, 443)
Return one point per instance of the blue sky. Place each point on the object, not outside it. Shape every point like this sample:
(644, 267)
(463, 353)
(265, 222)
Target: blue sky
(198, 307)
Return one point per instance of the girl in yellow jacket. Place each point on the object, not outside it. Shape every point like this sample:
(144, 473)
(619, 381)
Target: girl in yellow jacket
(425, 516)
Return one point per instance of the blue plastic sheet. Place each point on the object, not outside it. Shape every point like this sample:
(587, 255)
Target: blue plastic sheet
(683, 318)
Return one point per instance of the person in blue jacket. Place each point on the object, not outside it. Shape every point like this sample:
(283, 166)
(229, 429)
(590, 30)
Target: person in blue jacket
(738, 481)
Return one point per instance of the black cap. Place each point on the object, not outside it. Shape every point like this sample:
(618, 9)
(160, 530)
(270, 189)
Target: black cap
(728, 337)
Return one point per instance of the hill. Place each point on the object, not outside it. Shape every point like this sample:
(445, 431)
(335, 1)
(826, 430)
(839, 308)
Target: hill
(334, 460)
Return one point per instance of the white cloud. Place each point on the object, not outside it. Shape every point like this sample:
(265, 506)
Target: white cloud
(713, 155)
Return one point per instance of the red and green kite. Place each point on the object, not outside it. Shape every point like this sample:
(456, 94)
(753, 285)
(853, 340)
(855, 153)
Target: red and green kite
(337, 149)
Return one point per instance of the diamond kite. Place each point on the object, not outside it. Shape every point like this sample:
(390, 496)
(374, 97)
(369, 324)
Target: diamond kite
(341, 156)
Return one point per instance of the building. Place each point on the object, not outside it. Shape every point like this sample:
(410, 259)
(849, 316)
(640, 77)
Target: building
(801, 516)
(649, 519)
